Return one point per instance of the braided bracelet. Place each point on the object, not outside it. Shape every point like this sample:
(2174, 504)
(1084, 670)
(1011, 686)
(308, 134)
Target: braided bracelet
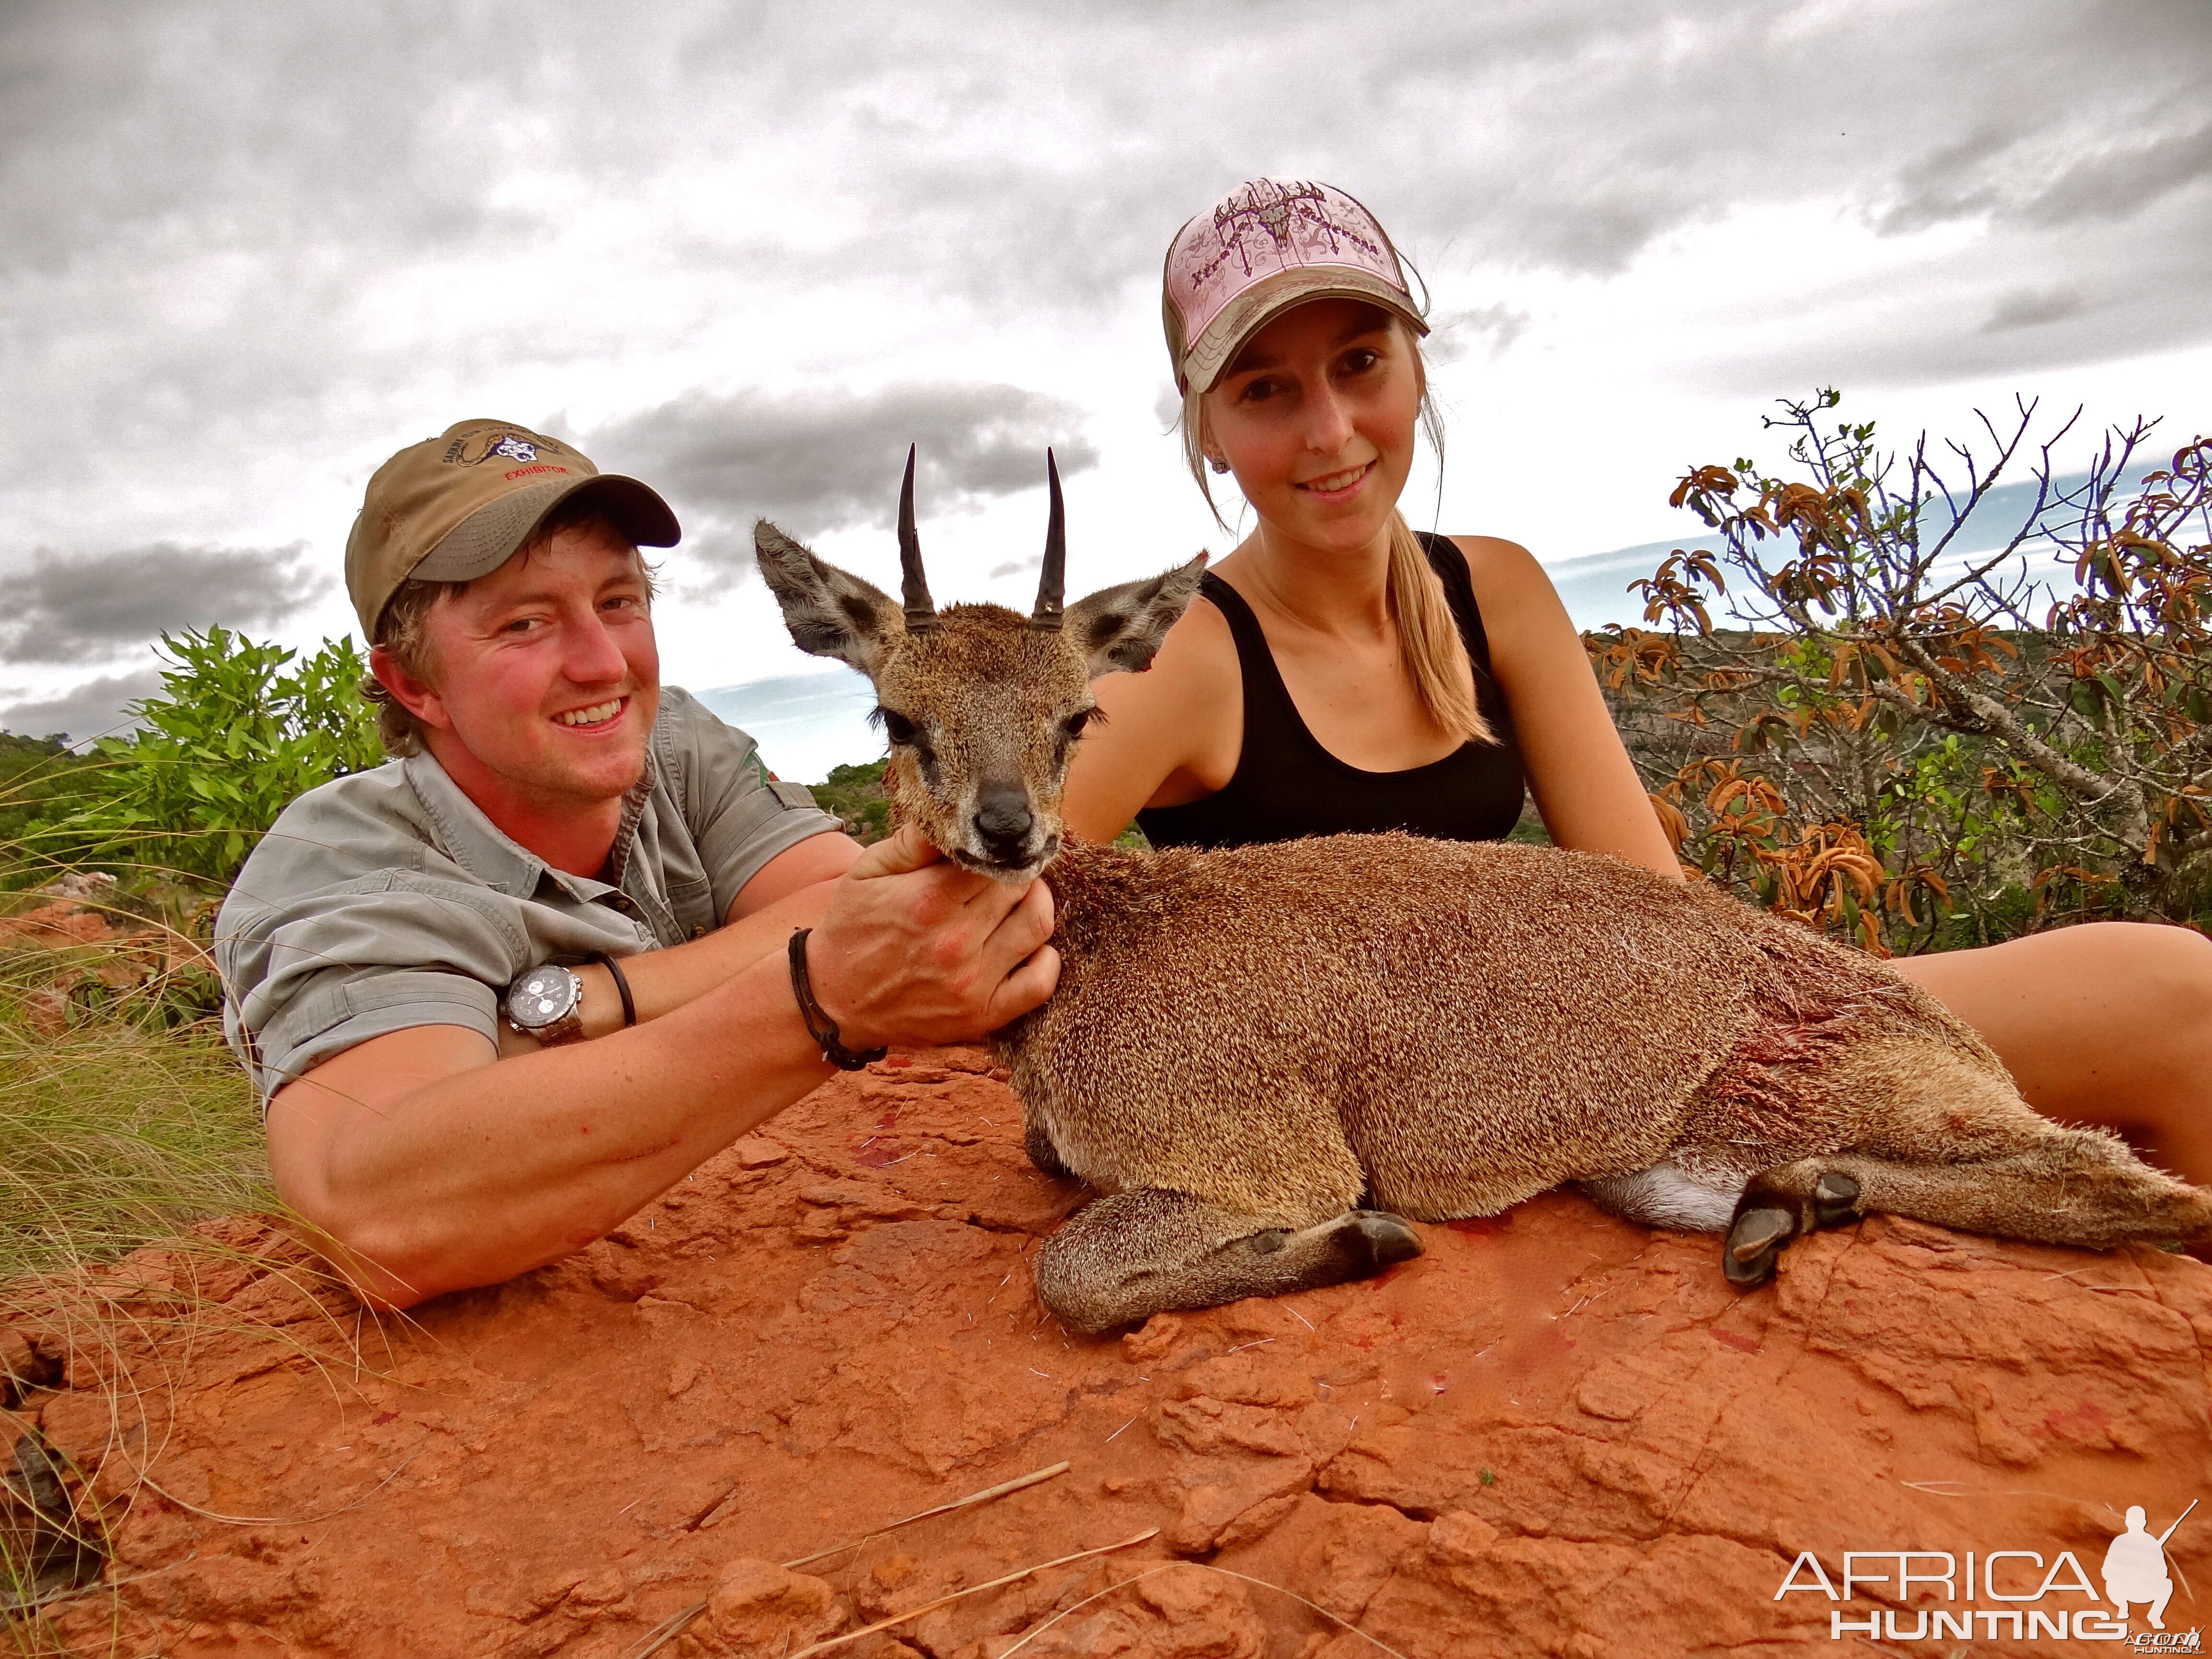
(819, 1025)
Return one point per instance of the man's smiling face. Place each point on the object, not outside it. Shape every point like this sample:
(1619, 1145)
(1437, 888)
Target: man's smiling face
(547, 676)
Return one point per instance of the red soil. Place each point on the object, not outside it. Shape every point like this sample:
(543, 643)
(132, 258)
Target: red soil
(138, 956)
(61, 922)
(1553, 1434)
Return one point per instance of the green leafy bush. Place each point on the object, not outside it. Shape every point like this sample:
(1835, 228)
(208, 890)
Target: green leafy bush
(38, 775)
(855, 796)
(238, 731)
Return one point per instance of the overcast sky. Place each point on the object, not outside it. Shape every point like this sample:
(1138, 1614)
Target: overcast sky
(749, 252)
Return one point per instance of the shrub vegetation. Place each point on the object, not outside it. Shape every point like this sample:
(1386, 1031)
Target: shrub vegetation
(856, 798)
(1918, 747)
(237, 731)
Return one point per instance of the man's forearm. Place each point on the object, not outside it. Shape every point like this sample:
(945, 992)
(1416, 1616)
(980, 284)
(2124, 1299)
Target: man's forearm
(431, 1164)
(661, 982)
(474, 1177)
(791, 891)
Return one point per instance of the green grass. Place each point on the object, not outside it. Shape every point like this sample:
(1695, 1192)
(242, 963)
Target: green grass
(116, 1136)
(124, 1121)
(38, 775)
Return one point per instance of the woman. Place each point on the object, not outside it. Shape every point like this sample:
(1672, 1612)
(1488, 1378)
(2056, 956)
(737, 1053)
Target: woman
(1341, 673)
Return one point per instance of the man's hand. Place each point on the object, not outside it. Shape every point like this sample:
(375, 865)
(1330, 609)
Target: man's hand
(914, 949)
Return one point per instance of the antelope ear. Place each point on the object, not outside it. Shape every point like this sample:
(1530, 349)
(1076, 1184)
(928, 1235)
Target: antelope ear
(829, 612)
(1120, 627)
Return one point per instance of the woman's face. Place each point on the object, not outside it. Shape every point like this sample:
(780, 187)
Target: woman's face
(1316, 417)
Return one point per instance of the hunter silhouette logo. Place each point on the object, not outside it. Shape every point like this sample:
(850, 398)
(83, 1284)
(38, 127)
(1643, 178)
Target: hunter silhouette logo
(2135, 1566)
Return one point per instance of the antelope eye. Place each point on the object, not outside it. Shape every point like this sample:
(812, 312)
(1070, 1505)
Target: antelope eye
(1076, 722)
(897, 727)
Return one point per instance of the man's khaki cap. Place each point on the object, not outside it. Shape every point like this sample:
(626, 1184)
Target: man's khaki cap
(456, 506)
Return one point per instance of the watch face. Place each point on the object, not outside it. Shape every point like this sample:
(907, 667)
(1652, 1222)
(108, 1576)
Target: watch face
(541, 996)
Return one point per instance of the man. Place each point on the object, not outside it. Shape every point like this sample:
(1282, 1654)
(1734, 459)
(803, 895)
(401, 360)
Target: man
(500, 993)
(2135, 1567)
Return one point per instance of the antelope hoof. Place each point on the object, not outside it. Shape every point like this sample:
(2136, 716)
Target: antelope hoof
(1373, 1241)
(1835, 1200)
(1753, 1241)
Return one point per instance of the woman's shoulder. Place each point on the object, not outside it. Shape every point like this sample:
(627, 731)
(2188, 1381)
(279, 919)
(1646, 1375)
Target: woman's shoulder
(1170, 734)
(1495, 554)
(1505, 575)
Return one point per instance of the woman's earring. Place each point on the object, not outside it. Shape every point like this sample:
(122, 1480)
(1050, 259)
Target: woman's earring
(1217, 463)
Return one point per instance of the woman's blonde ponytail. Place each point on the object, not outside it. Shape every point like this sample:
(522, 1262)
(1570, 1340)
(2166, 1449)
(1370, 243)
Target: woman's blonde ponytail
(1428, 642)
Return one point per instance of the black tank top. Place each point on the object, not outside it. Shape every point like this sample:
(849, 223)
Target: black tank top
(1287, 784)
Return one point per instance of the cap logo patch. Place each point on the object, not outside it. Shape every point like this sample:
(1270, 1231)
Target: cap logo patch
(496, 445)
(1294, 216)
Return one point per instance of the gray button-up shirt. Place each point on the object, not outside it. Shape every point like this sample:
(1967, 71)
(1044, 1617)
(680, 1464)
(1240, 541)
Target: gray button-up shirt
(388, 900)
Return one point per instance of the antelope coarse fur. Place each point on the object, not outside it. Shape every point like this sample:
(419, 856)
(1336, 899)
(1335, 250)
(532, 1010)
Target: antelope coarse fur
(1262, 1058)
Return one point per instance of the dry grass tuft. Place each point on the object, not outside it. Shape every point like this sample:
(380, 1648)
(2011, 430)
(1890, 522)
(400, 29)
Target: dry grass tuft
(116, 1136)
(123, 1124)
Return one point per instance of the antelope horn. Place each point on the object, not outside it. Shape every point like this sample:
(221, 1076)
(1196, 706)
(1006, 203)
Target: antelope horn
(921, 614)
(1052, 578)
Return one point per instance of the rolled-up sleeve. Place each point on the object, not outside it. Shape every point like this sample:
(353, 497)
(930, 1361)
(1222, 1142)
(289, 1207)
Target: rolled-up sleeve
(740, 818)
(329, 968)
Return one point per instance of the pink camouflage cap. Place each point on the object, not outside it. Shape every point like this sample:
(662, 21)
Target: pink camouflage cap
(1267, 246)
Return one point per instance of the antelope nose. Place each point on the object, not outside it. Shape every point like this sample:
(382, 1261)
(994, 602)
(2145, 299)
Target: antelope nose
(1003, 820)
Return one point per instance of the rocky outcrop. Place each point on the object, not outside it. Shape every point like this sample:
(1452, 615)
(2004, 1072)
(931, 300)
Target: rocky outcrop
(87, 950)
(1553, 1434)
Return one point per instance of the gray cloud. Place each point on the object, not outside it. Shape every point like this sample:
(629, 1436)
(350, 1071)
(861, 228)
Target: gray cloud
(2030, 308)
(1490, 330)
(1950, 181)
(70, 610)
(2037, 174)
(2120, 184)
(2084, 305)
(85, 711)
(241, 240)
(822, 463)
(1569, 136)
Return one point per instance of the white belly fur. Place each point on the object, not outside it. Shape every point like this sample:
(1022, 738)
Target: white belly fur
(1669, 1195)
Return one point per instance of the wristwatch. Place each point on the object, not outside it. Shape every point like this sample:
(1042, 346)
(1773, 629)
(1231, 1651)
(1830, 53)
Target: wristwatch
(546, 1003)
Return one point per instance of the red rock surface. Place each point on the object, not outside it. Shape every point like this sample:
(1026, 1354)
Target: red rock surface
(136, 956)
(64, 922)
(1555, 1434)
